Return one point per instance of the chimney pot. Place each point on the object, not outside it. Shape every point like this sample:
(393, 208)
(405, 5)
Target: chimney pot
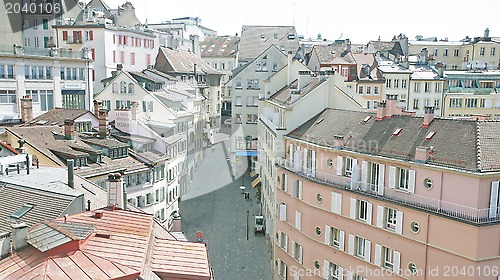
(26, 109)
(115, 191)
(422, 154)
(428, 116)
(176, 223)
(71, 173)
(69, 129)
(338, 142)
(103, 123)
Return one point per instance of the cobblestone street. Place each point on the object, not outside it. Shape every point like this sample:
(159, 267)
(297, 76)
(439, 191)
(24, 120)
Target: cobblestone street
(216, 206)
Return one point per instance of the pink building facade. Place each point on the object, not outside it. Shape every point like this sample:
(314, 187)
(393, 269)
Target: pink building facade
(383, 196)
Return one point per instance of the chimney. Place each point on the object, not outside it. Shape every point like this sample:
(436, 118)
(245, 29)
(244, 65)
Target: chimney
(103, 123)
(115, 191)
(338, 142)
(97, 106)
(440, 69)
(487, 33)
(391, 107)
(422, 154)
(4, 244)
(428, 116)
(176, 223)
(195, 74)
(289, 67)
(119, 67)
(26, 109)
(380, 110)
(69, 129)
(19, 235)
(303, 79)
(423, 55)
(71, 173)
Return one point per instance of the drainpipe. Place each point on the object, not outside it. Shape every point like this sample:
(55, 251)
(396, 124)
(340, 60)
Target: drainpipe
(426, 247)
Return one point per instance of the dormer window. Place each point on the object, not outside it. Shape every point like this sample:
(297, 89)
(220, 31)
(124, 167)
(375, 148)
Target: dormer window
(430, 135)
(397, 131)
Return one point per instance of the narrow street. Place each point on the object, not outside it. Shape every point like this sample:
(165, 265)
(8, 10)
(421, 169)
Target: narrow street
(216, 206)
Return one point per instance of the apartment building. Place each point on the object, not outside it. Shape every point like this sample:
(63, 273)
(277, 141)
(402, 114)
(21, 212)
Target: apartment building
(222, 54)
(470, 53)
(299, 94)
(397, 80)
(368, 79)
(469, 93)
(57, 79)
(333, 57)
(393, 196)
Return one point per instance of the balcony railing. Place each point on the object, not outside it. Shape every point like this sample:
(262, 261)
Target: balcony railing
(448, 209)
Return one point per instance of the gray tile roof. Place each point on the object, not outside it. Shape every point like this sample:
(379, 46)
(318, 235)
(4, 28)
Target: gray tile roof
(57, 116)
(183, 62)
(48, 205)
(51, 234)
(105, 142)
(283, 96)
(255, 39)
(221, 46)
(462, 144)
(149, 157)
(333, 54)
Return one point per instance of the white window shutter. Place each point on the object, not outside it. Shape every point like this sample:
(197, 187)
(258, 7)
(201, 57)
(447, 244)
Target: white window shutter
(279, 238)
(494, 199)
(304, 158)
(392, 177)
(369, 213)
(293, 248)
(351, 245)
(290, 151)
(282, 212)
(399, 222)
(380, 216)
(350, 275)
(296, 276)
(381, 179)
(328, 232)
(339, 166)
(368, 250)
(336, 206)
(286, 183)
(364, 175)
(294, 188)
(313, 163)
(352, 213)
(284, 271)
(298, 220)
(326, 269)
(411, 181)
(286, 243)
(300, 189)
(341, 240)
(279, 266)
(300, 254)
(397, 262)
(378, 254)
(340, 272)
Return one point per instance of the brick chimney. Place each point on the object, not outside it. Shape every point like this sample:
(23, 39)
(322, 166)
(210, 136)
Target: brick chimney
(391, 106)
(103, 123)
(69, 129)
(176, 223)
(381, 110)
(439, 66)
(26, 109)
(428, 116)
(115, 191)
(19, 235)
(97, 106)
(338, 142)
(422, 154)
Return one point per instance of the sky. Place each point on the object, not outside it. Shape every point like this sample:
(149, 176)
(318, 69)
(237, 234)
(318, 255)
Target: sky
(357, 20)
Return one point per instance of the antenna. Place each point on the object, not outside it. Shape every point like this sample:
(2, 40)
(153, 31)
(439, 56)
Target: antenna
(293, 14)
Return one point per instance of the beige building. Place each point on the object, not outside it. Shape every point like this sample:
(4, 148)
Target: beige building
(470, 93)
(388, 196)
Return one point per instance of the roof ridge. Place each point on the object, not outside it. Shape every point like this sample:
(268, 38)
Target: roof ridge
(478, 147)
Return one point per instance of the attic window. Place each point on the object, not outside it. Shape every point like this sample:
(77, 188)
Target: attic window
(430, 135)
(22, 211)
(367, 118)
(397, 131)
(320, 121)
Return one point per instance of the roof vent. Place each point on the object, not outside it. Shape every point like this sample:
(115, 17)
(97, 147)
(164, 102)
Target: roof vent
(320, 121)
(98, 215)
(397, 131)
(367, 118)
(430, 135)
(103, 235)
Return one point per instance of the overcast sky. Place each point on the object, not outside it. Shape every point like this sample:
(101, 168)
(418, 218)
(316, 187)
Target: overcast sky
(358, 20)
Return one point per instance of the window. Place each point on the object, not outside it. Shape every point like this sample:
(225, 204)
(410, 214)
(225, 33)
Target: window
(238, 83)
(238, 101)
(415, 104)
(36, 42)
(297, 189)
(238, 119)
(252, 118)
(46, 100)
(132, 58)
(455, 52)
(333, 271)
(492, 51)
(445, 52)
(482, 50)
(298, 220)
(363, 210)
(388, 83)
(360, 89)
(283, 240)
(297, 251)
(275, 66)
(252, 101)
(396, 83)
(7, 71)
(455, 102)
(375, 176)
(387, 257)
(130, 88)
(253, 84)
(427, 102)
(149, 198)
(348, 163)
(403, 83)
(360, 249)
(368, 90)
(414, 227)
(437, 104)
(412, 267)
(438, 87)
(281, 268)
(147, 106)
(376, 89)
(19, 213)
(402, 179)
(427, 87)
(417, 86)
(284, 182)
(334, 237)
(123, 87)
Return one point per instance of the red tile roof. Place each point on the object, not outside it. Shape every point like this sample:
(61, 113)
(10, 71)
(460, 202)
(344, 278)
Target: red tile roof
(124, 244)
(9, 147)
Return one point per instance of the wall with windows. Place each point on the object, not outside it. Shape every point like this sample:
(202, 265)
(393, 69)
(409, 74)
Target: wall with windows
(426, 93)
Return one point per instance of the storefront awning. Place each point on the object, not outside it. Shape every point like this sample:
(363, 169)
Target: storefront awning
(256, 182)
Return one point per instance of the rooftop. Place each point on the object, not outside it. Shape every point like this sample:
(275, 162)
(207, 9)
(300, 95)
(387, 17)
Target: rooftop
(57, 116)
(255, 39)
(222, 46)
(284, 95)
(459, 144)
(181, 61)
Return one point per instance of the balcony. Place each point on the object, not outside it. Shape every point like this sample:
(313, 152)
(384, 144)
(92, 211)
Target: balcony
(440, 207)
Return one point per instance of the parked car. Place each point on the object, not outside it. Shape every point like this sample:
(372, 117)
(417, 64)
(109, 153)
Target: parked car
(227, 122)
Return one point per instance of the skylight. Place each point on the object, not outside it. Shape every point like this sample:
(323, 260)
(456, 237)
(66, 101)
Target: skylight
(430, 135)
(367, 118)
(397, 131)
(320, 121)
(19, 213)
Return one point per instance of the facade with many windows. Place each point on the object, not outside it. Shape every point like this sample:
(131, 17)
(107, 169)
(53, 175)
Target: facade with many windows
(50, 81)
(386, 196)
